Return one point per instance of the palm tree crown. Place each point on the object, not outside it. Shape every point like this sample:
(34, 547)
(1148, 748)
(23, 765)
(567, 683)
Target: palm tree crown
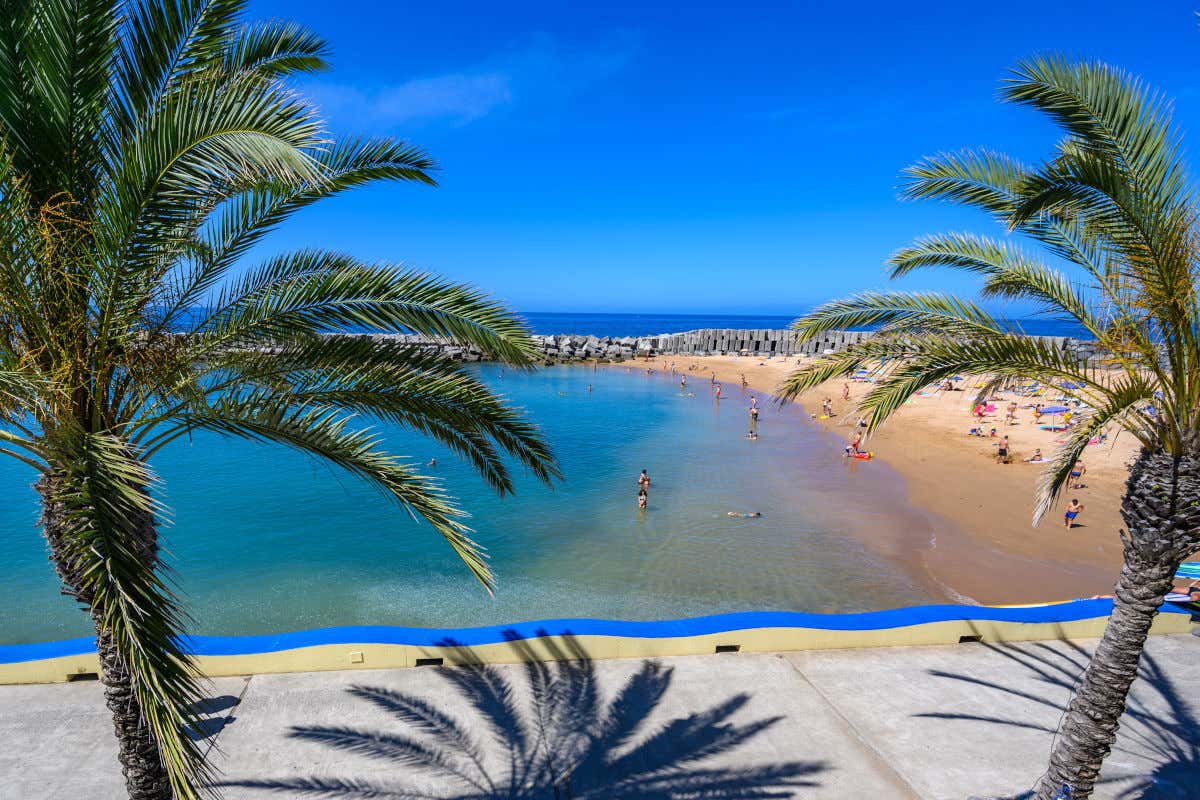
(145, 148)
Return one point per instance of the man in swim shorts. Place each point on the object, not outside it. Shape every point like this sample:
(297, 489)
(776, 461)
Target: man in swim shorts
(1077, 474)
(1071, 513)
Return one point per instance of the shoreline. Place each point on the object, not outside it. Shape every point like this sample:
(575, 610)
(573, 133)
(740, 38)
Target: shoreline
(982, 545)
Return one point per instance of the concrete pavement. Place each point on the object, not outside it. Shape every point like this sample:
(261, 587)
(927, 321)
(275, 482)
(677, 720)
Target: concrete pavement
(930, 723)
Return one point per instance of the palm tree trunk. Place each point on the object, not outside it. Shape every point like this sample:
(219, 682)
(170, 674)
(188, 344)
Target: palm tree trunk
(1161, 511)
(141, 764)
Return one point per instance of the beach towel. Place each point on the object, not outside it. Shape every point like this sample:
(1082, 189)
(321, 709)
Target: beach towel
(1189, 570)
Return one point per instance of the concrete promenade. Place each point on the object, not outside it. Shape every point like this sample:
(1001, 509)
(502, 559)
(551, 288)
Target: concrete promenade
(933, 723)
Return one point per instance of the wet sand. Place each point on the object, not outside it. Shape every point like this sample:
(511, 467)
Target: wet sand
(981, 544)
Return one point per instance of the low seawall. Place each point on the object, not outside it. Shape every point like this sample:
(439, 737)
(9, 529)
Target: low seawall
(381, 647)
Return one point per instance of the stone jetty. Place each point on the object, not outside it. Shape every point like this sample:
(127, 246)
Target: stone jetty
(570, 347)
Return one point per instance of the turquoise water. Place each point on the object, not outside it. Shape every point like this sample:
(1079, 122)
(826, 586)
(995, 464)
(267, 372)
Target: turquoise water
(263, 539)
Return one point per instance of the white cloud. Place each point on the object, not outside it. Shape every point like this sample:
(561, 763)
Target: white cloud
(461, 97)
(539, 69)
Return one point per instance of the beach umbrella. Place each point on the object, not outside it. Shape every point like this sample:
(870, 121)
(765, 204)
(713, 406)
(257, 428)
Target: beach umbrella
(1069, 385)
(1054, 409)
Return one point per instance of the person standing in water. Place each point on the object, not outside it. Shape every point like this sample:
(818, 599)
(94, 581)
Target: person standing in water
(643, 499)
(718, 391)
(682, 384)
(643, 480)
(753, 420)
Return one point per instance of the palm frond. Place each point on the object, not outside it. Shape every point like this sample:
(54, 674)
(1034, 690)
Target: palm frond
(314, 291)
(105, 492)
(1124, 405)
(274, 49)
(898, 311)
(1110, 112)
(420, 390)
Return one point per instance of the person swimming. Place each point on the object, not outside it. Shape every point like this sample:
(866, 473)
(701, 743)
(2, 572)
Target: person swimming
(744, 514)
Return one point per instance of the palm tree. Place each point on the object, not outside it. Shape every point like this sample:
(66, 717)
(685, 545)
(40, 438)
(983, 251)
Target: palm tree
(1113, 207)
(145, 148)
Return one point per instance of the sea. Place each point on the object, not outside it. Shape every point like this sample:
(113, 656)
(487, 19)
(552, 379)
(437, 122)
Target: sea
(550, 322)
(263, 539)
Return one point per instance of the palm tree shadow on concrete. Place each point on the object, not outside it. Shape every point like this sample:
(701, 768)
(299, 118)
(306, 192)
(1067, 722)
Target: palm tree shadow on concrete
(1159, 729)
(553, 737)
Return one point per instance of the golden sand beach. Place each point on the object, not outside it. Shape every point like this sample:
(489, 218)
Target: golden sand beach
(984, 545)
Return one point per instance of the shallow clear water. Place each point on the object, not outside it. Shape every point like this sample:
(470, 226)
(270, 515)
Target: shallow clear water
(264, 539)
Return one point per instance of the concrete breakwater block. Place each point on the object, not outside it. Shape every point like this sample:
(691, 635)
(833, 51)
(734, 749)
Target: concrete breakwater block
(706, 341)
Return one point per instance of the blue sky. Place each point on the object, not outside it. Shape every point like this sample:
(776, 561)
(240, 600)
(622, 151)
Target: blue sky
(684, 157)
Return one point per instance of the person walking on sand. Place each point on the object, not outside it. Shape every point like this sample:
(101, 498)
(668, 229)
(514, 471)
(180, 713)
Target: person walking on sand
(845, 391)
(1071, 513)
(1077, 475)
(744, 383)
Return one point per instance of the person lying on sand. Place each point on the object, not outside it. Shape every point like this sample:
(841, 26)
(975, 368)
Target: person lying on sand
(744, 514)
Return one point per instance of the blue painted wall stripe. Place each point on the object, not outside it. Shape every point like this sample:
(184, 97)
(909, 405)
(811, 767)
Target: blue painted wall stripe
(696, 626)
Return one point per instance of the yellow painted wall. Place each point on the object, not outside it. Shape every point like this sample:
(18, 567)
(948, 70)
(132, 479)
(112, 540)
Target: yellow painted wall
(389, 656)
